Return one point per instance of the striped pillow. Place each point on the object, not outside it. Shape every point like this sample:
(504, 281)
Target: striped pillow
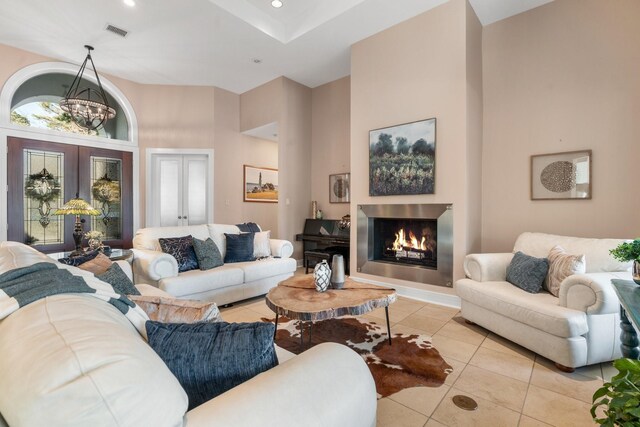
(561, 266)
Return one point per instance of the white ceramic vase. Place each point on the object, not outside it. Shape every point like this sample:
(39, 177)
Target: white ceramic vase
(322, 276)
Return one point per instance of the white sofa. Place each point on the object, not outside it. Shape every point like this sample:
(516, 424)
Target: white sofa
(579, 328)
(73, 360)
(225, 284)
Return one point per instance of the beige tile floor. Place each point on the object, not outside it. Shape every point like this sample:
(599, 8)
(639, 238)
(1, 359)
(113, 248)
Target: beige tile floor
(512, 386)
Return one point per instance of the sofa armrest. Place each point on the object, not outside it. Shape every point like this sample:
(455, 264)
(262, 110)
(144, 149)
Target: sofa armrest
(153, 265)
(487, 267)
(591, 293)
(281, 248)
(327, 385)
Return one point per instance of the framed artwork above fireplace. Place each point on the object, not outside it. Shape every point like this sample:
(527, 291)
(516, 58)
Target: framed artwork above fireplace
(402, 159)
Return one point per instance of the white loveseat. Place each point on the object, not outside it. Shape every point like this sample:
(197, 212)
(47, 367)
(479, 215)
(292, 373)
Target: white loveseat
(225, 284)
(76, 361)
(579, 328)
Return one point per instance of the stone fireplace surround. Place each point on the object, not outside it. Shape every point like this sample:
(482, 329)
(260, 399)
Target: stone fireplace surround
(443, 213)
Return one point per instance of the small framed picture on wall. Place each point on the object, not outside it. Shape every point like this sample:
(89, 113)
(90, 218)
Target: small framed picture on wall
(561, 176)
(339, 188)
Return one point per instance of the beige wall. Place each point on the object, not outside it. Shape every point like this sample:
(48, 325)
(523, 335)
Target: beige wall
(294, 157)
(416, 70)
(562, 77)
(233, 151)
(330, 142)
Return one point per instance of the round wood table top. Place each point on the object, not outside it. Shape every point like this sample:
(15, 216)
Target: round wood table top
(297, 298)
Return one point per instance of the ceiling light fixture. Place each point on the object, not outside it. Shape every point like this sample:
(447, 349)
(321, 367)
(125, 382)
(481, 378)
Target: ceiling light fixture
(276, 3)
(129, 3)
(88, 107)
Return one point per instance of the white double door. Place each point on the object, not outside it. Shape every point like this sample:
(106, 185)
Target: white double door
(181, 190)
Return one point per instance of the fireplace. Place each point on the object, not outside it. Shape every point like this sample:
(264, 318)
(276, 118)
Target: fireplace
(408, 242)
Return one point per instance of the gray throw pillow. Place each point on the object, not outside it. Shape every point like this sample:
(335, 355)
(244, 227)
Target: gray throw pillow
(211, 358)
(527, 272)
(207, 253)
(119, 280)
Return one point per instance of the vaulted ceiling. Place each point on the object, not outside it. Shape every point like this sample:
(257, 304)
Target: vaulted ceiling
(233, 44)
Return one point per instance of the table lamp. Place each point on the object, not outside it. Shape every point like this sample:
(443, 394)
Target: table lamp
(77, 207)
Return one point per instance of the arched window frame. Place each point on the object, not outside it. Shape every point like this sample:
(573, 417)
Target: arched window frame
(8, 129)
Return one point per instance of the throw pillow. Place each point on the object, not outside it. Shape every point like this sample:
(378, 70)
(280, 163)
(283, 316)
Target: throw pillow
(239, 247)
(80, 259)
(181, 248)
(248, 227)
(98, 265)
(527, 272)
(119, 280)
(211, 358)
(561, 266)
(261, 244)
(207, 253)
(173, 310)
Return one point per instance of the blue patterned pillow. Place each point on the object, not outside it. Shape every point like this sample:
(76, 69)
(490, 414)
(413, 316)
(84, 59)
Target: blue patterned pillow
(527, 272)
(211, 358)
(239, 247)
(181, 248)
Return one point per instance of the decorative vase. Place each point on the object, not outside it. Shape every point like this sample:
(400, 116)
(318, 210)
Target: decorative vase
(322, 276)
(337, 273)
(314, 209)
(319, 214)
(636, 272)
(94, 244)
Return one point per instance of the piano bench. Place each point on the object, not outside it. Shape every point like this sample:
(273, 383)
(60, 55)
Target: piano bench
(315, 257)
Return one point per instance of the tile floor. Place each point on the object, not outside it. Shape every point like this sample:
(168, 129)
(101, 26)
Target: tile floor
(512, 386)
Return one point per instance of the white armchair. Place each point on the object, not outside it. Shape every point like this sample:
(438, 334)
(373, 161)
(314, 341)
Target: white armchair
(579, 328)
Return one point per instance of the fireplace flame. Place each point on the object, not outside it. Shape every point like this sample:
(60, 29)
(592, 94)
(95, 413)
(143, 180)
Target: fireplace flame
(402, 242)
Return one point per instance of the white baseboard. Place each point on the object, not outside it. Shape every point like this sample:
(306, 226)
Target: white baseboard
(417, 294)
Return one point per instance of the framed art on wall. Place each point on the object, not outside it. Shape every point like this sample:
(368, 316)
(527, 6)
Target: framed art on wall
(561, 176)
(402, 159)
(339, 188)
(260, 184)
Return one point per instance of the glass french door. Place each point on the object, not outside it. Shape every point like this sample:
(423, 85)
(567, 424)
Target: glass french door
(42, 176)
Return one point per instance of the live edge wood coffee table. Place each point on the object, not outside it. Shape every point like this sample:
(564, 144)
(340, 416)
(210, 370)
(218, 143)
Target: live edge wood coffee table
(297, 299)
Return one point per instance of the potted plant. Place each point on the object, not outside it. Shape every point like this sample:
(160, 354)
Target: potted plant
(629, 251)
(620, 397)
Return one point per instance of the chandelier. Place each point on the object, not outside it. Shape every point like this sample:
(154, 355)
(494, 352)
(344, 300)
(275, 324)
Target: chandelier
(88, 107)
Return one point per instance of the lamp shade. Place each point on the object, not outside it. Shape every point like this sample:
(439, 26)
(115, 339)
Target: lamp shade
(77, 206)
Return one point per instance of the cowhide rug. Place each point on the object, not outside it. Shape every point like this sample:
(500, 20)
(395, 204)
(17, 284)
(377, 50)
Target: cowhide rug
(411, 361)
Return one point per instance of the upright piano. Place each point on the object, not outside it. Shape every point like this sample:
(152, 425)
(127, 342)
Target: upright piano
(326, 235)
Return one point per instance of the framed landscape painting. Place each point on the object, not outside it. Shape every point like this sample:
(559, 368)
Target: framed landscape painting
(560, 176)
(260, 184)
(402, 159)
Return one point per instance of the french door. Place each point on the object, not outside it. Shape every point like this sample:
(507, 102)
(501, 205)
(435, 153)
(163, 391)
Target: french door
(42, 176)
(180, 189)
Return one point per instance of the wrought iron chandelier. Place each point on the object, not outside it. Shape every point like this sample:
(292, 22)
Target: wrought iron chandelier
(88, 107)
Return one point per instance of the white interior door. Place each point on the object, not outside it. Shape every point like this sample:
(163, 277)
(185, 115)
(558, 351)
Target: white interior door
(181, 190)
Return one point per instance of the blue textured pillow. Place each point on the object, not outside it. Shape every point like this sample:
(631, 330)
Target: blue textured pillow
(211, 358)
(527, 272)
(239, 247)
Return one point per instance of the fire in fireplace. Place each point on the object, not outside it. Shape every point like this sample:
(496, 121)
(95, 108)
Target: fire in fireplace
(406, 241)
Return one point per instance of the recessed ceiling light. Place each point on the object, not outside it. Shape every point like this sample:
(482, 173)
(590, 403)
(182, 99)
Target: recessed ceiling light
(276, 3)
(257, 60)
(129, 3)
